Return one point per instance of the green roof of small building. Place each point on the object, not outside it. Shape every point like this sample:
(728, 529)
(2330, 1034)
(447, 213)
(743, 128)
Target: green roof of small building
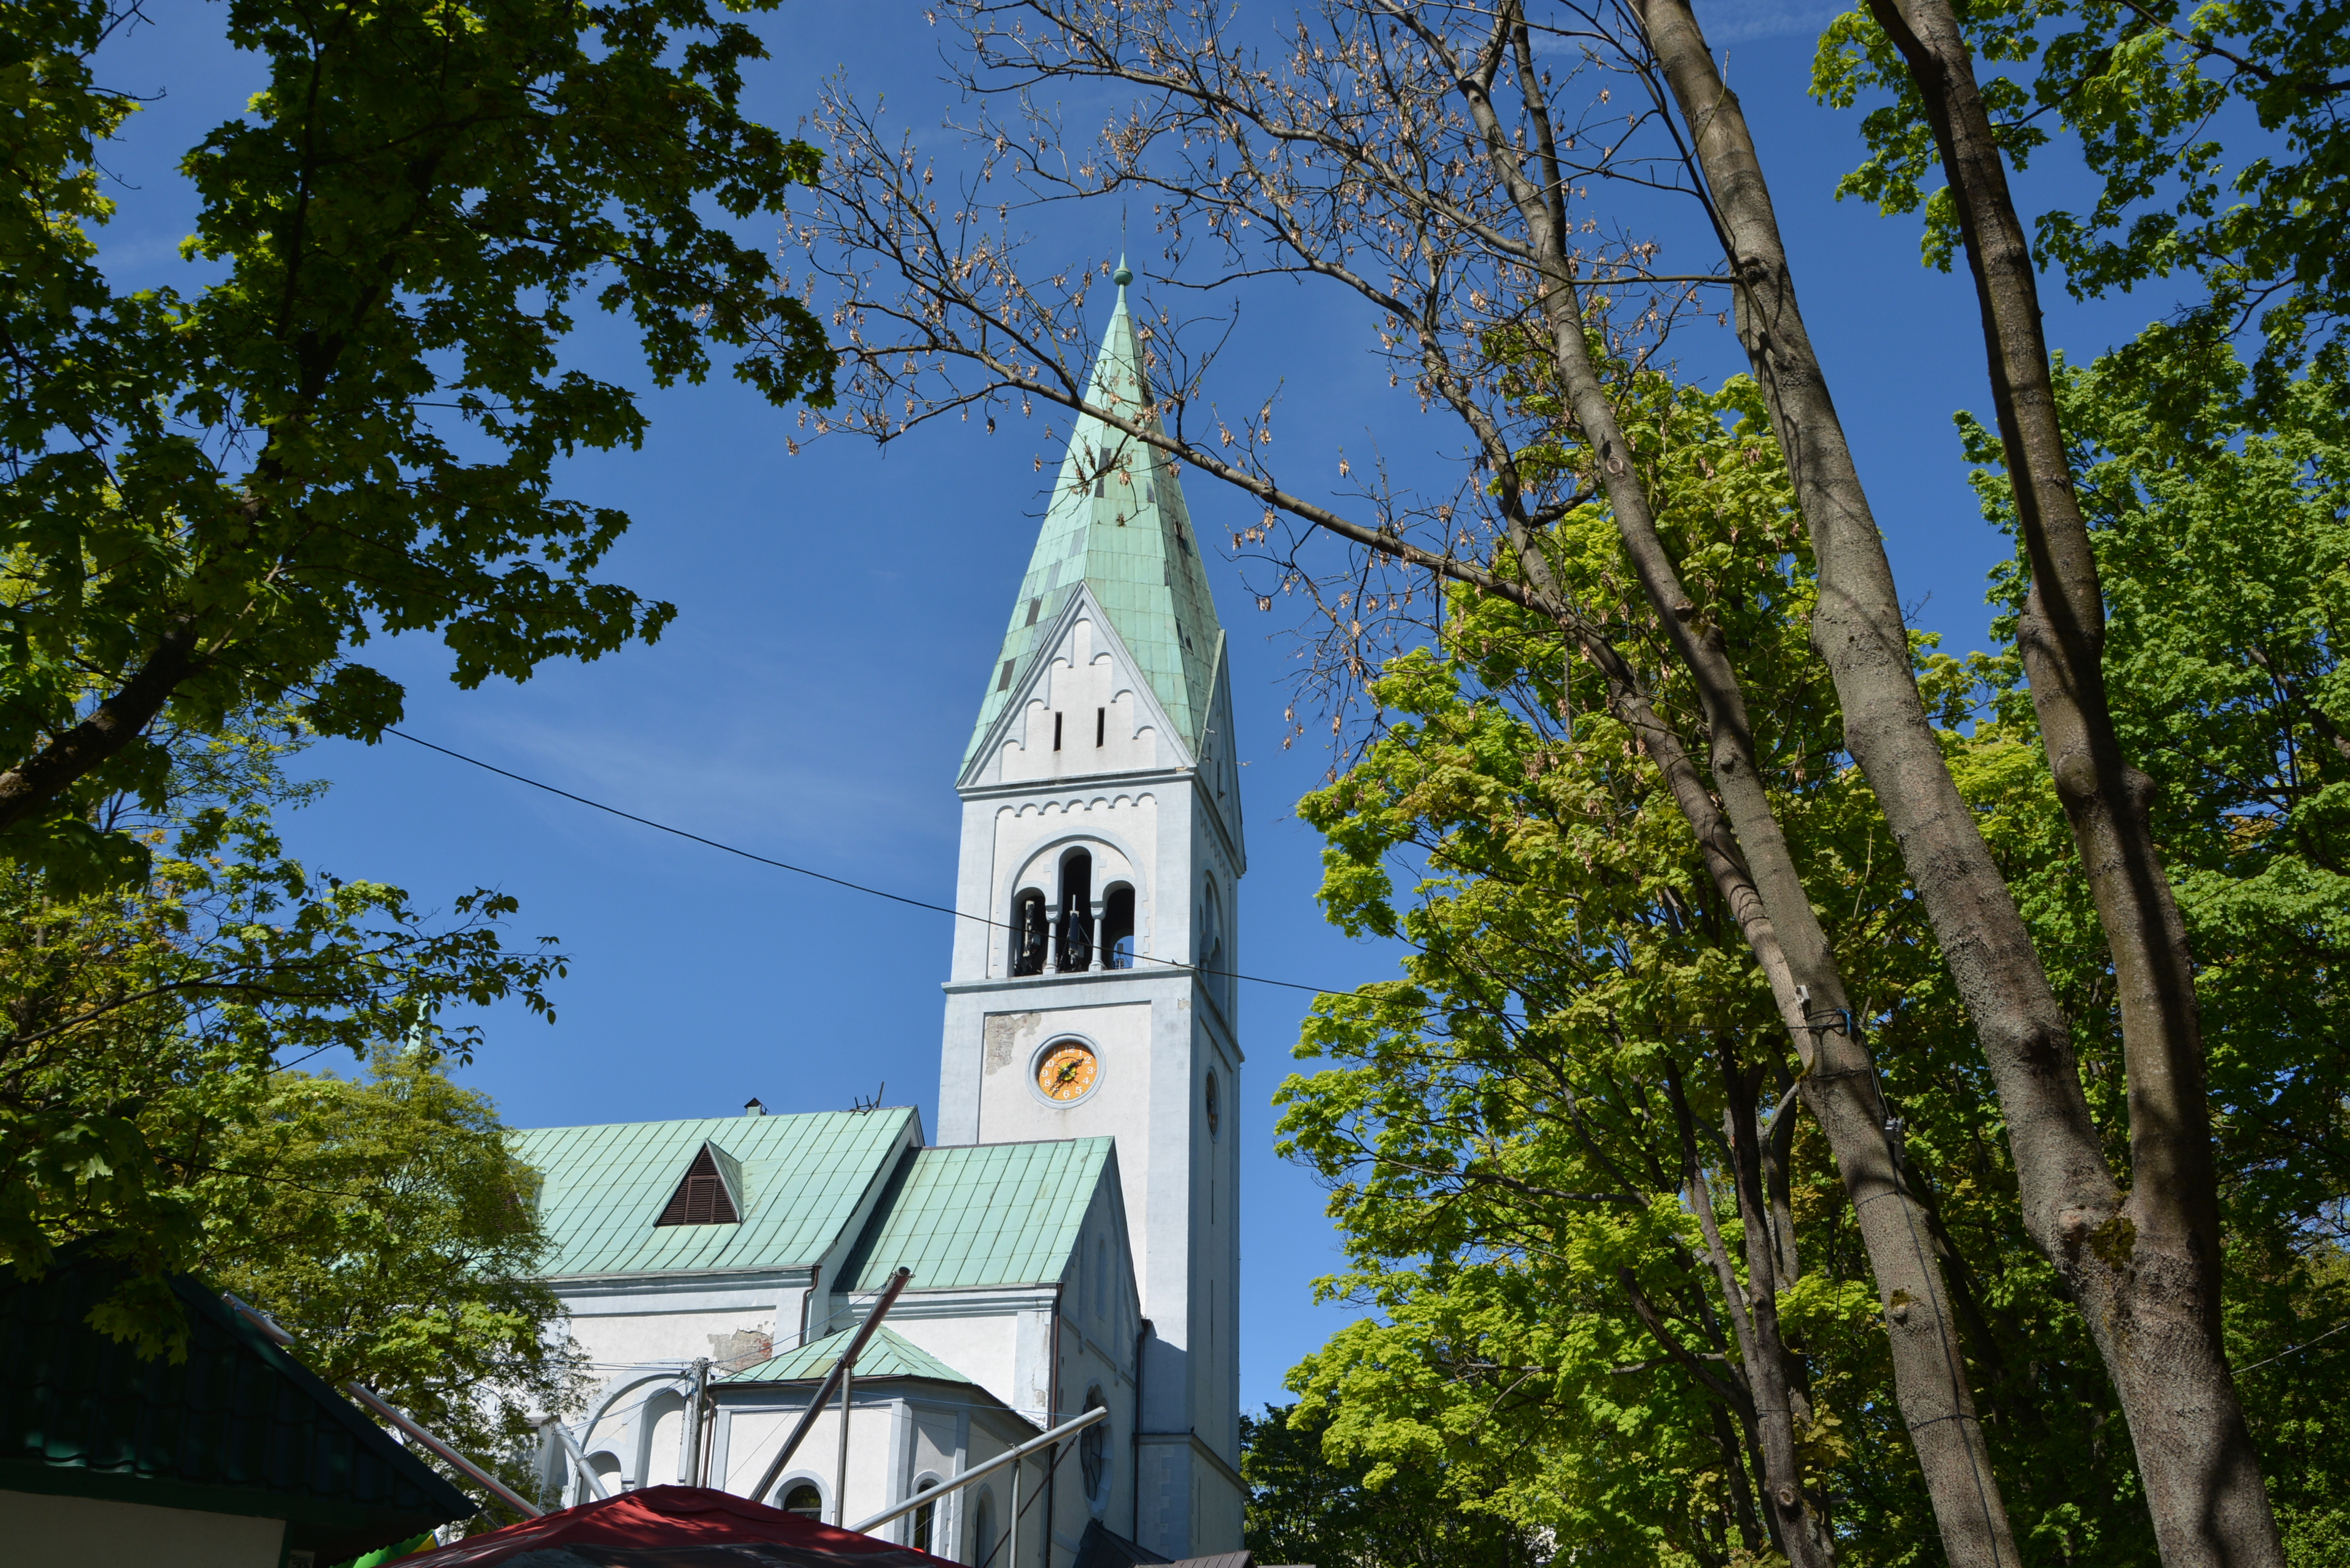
(887, 1354)
(1132, 545)
(980, 1215)
(801, 1180)
(237, 1427)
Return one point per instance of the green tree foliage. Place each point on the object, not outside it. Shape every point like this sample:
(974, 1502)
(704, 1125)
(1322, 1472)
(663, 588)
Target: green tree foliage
(1305, 1507)
(385, 1224)
(143, 1027)
(1506, 1128)
(2214, 132)
(210, 498)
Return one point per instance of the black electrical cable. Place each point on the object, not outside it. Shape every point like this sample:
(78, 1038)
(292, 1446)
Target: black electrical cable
(805, 871)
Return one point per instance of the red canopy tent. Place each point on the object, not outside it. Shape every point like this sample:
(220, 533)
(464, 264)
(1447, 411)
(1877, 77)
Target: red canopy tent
(673, 1527)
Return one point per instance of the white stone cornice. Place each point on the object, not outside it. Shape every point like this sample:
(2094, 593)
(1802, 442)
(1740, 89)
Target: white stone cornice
(1076, 784)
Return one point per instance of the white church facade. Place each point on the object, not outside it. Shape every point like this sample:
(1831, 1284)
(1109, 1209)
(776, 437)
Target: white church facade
(1070, 1237)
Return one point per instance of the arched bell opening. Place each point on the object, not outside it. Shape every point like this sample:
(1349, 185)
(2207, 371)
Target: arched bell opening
(1028, 933)
(1117, 927)
(1073, 929)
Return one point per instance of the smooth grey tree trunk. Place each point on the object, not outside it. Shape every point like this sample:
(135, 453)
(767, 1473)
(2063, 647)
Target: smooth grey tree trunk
(2143, 1266)
(1839, 1084)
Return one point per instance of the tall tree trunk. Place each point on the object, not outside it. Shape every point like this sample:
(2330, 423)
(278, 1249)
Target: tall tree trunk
(2144, 1267)
(1796, 1512)
(1839, 1084)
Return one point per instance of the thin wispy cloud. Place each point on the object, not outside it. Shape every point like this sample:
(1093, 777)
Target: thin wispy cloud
(1750, 21)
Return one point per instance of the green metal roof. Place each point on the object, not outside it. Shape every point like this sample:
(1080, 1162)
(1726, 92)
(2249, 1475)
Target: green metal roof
(989, 1214)
(238, 1427)
(886, 1354)
(1132, 545)
(802, 1179)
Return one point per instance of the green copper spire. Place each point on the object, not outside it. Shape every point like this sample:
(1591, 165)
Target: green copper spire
(1117, 523)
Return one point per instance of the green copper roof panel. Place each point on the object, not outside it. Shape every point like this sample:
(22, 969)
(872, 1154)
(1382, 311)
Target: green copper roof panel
(1119, 522)
(990, 1214)
(802, 1178)
(238, 1426)
(886, 1354)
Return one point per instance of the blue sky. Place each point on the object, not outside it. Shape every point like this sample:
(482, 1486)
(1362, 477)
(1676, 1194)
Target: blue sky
(838, 613)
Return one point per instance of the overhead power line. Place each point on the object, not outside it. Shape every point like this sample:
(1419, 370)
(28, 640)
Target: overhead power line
(809, 871)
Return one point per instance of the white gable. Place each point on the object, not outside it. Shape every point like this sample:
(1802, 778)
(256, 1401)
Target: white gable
(1084, 689)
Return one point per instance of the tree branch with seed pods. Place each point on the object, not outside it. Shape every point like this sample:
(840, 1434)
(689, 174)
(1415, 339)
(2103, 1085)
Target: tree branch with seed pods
(1414, 159)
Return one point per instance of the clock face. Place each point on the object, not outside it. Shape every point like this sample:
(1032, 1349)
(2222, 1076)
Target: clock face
(1067, 1071)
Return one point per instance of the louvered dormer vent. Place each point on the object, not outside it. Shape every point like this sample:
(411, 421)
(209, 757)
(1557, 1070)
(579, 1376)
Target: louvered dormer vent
(701, 1198)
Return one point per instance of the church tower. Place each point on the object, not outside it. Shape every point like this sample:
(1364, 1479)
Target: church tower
(1101, 852)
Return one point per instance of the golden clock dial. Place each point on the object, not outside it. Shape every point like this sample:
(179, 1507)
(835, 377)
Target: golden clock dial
(1067, 1070)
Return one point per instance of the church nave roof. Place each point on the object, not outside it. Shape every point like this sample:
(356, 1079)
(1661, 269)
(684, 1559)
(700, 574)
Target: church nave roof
(802, 1178)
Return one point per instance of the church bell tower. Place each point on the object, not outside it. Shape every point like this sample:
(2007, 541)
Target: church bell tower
(1101, 851)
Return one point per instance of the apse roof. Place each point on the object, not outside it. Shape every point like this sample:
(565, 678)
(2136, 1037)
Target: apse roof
(1117, 522)
(887, 1354)
(980, 1215)
(802, 1181)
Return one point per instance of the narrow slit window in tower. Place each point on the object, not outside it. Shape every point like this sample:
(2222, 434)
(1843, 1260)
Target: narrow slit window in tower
(1033, 606)
(1003, 681)
(1101, 725)
(1057, 731)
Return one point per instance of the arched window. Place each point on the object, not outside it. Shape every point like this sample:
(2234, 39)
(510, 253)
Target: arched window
(1028, 933)
(925, 1517)
(982, 1528)
(1075, 929)
(661, 1454)
(1093, 1456)
(1212, 940)
(1118, 928)
(606, 1467)
(803, 1500)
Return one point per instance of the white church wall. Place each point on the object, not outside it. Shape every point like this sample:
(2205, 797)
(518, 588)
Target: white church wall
(1013, 1109)
(897, 1433)
(756, 1429)
(625, 1339)
(984, 1347)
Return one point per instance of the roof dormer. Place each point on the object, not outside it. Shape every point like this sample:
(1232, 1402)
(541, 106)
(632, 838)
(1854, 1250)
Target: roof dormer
(710, 1193)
